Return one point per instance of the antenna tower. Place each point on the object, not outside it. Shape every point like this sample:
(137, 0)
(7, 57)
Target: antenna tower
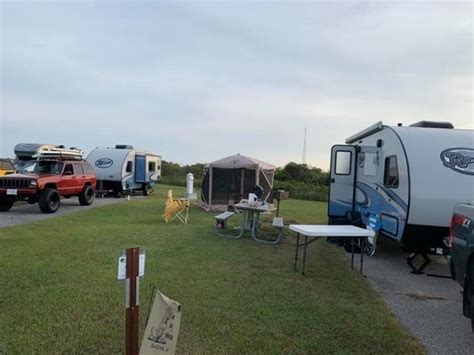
(304, 147)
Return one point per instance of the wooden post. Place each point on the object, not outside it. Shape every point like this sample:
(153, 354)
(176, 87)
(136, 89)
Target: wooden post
(131, 297)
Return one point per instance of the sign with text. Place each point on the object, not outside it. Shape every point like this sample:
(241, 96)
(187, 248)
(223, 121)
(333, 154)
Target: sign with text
(161, 332)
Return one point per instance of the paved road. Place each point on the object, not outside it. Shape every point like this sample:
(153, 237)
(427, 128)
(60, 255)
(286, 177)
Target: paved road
(430, 308)
(24, 213)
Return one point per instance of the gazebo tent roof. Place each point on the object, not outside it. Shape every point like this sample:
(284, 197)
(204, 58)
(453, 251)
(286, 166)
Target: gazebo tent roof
(240, 161)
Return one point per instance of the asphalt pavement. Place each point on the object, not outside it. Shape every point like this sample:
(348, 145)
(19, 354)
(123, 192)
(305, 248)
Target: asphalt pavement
(429, 307)
(23, 212)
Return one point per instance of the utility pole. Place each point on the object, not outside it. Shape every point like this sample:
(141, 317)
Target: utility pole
(304, 147)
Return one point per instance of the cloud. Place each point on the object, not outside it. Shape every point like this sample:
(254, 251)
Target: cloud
(198, 81)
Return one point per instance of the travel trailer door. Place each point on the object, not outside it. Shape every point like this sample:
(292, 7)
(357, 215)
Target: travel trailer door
(342, 180)
(140, 168)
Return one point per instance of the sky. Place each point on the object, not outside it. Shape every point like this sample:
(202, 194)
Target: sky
(197, 81)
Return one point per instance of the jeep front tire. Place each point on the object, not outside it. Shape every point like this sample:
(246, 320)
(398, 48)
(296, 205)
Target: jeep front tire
(87, 196)
(49, 201)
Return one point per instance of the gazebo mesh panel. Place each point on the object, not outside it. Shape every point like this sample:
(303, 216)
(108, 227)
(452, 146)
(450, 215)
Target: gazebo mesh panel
(227, 184)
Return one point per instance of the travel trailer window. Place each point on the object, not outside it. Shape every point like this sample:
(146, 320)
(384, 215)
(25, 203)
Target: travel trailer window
(370, 166)
(343, 162)
(391, 172)
(151, 166)
(129, 167)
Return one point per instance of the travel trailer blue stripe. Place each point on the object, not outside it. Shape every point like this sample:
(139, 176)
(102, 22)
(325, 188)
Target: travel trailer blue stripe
(393, 196)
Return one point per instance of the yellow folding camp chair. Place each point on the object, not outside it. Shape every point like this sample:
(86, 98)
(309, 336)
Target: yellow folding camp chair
(176, 208)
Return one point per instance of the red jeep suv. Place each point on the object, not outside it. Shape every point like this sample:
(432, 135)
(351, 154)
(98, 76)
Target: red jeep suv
(44, 181)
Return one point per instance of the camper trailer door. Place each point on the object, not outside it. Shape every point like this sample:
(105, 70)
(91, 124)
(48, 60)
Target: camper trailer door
(140, 168)
(342, 180)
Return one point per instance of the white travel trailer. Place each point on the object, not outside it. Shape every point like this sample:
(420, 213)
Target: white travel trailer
(403, 180)
(124, 168)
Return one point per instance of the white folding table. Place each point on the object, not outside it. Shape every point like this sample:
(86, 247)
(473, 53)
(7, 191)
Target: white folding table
(317, 231)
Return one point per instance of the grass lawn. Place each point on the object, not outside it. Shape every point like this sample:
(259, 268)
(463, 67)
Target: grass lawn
(59, 293)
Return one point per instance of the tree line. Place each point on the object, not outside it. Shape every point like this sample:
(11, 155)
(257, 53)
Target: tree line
(301, 180)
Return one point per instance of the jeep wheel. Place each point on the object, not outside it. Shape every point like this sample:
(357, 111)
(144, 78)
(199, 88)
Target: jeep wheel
(49, 201)
(87, 196)
(5, 205)
(147, 189)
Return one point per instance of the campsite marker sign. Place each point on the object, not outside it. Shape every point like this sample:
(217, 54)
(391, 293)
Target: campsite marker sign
(122, 263)
(161, 333)
(131, 266)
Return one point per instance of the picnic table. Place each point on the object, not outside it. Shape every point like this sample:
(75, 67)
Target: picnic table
(312, 232)
(250, 221)
(251, 217)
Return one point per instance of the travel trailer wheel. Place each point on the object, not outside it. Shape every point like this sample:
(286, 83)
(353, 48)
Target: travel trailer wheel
(147, 189)
(5, 205)
(49, 201)
(87, 196)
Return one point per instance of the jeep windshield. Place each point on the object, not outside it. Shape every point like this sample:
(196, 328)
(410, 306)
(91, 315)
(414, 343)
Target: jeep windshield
(42, 167)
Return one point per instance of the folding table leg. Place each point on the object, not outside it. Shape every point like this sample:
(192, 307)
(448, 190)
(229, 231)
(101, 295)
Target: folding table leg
(362, 242)
(304, 253)
(352, 252)
(297, 247)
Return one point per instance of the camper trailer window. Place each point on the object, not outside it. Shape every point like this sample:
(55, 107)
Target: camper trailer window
(370, 166)
(129, 167)
(391, 172)
(343, 162)
(151, 166)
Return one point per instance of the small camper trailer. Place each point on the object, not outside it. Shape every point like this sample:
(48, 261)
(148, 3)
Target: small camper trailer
(404, 180)
(124, 168)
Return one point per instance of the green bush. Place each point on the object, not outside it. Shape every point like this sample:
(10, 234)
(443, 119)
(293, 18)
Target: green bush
(175, 174)
(303, 191)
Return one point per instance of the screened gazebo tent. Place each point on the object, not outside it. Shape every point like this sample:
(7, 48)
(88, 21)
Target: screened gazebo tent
(233, 178)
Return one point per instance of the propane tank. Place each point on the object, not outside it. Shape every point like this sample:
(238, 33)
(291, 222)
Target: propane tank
(189, 184)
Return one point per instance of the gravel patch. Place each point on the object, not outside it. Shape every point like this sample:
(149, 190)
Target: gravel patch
(429, 307)
(23, 212)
